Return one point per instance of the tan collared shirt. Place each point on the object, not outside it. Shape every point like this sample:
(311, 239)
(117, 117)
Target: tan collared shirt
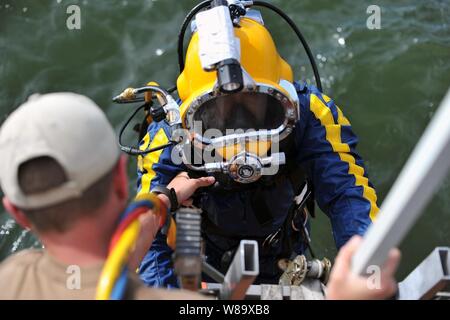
(35, 275)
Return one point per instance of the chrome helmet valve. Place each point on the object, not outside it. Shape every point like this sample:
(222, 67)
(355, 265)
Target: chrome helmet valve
(245, 168)
(172, 111)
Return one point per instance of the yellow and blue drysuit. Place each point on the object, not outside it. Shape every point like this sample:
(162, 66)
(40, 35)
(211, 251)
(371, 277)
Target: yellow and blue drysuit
(325, 147)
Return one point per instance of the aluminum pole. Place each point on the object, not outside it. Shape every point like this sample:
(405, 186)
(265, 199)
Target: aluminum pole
(423, 173)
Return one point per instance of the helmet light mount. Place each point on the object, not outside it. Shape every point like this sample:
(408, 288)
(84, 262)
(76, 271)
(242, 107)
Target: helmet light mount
(230, 76)
(218, 47)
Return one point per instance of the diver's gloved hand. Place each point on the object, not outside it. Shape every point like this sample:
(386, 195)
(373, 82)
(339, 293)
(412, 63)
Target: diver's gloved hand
(185, 186)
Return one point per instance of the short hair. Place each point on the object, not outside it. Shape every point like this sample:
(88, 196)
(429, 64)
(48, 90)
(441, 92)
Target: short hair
(45, 173)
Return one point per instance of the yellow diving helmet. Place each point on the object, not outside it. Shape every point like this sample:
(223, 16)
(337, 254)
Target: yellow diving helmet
(247, 111)
(238, 97)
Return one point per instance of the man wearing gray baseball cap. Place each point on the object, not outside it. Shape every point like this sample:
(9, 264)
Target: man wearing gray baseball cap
(64, 179)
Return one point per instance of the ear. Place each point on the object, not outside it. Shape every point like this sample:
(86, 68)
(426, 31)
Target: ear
(121, 178)
(16, 213)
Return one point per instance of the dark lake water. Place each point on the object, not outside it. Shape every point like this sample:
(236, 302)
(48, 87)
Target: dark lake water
(389, 82)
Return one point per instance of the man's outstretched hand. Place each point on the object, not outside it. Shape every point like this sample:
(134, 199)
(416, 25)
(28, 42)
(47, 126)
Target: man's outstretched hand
(185, 186)
(344, 285)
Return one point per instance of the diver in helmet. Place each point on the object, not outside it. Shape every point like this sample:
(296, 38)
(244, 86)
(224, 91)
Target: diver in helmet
(277, 146)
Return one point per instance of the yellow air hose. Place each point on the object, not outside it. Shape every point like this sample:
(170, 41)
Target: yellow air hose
(124, 242)
(116, 260)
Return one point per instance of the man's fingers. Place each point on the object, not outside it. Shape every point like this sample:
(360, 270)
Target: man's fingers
(392, 262)
(186, 187)
(353, 244)
(343, 260)
(349, 249)
(204, 182)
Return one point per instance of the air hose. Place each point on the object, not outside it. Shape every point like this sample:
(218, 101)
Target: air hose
(184, 26)
(130, 95)
(113, 279)
(299, 35)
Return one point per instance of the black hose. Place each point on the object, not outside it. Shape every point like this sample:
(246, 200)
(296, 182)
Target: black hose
(184, 26)
(127, 149)
(135, 151)
(164, 146)
(299, 35)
